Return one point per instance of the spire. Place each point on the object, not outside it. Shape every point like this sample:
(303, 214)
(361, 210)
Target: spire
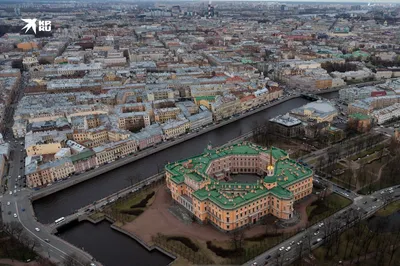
(270, 167)
(270, 156)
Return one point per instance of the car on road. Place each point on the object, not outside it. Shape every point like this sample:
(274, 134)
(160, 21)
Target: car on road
(292, 243)
(9, 212)
(15, 215)
(37, 229)
(287, 249)
(281, 248)
(320, 225)
(300, 242)
(47, 240)
(316, 233)
(8, 203)
(10, 192)
(365, 202)
(319, 239)
(92, 264)
(268, 257)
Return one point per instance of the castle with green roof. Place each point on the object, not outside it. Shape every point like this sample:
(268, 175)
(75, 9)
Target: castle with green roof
(205, 184)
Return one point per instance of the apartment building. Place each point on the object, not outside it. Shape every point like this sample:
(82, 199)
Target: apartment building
(46, 142)
(113, 151)
(385, 114)
(175, 128)
(47, 173)
(225, 106)
(162, 115)
(149, 136)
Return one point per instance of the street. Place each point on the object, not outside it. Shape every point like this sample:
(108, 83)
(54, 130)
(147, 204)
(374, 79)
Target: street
(302, 243)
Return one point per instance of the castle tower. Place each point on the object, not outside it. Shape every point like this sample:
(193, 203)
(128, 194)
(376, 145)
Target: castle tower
(270, 167)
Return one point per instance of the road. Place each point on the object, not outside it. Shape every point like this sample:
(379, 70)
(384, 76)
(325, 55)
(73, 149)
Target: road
(288, 251)
(50, 246)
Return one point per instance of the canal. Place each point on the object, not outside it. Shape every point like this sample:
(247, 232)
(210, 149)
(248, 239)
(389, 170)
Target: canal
(110, 247)
(67, 201)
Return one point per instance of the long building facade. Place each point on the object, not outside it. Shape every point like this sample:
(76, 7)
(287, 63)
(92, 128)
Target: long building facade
(205, 185)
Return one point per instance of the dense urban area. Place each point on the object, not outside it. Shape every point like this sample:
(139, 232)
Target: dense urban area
(199, 133)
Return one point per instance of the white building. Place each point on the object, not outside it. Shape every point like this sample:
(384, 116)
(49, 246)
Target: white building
(387, 113)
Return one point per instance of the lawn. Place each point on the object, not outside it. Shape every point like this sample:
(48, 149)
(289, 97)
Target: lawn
(128, 208)
(389, 209)
(321, 209)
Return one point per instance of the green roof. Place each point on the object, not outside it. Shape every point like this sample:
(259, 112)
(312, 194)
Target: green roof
(208, 98)
(287, 171)
(85, 155)
(360, 116)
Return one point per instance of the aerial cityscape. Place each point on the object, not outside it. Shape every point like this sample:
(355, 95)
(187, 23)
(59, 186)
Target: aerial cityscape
(199, 133)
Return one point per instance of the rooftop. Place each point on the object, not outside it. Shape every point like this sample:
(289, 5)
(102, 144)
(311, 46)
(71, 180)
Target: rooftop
(287, 171)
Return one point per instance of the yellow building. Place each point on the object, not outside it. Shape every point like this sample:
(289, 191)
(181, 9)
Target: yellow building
(164, 114)
(204, 100)
(175, 128)
(200, 185)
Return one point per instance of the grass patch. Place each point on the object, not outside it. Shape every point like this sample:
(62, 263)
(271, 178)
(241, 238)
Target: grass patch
(185, 249)
(96, 216)
(143, 202)
(132, 200)
(126, 209)
(263, 236)
(321, 209)
(389, 209)
(186, 241)
(135, 212)
(222, 252)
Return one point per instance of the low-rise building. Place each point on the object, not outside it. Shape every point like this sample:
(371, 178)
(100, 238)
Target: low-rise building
(286, 125)
(39, 175)
(225, 106)
(320, 111)
(46, 142)
(387, 113)
(149, 136)
(115, 150)
(200, 120)
(175, 128)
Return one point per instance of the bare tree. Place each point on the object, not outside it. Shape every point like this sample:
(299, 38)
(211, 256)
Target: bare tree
(74, 260)
(237, 239)
(133, 179)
